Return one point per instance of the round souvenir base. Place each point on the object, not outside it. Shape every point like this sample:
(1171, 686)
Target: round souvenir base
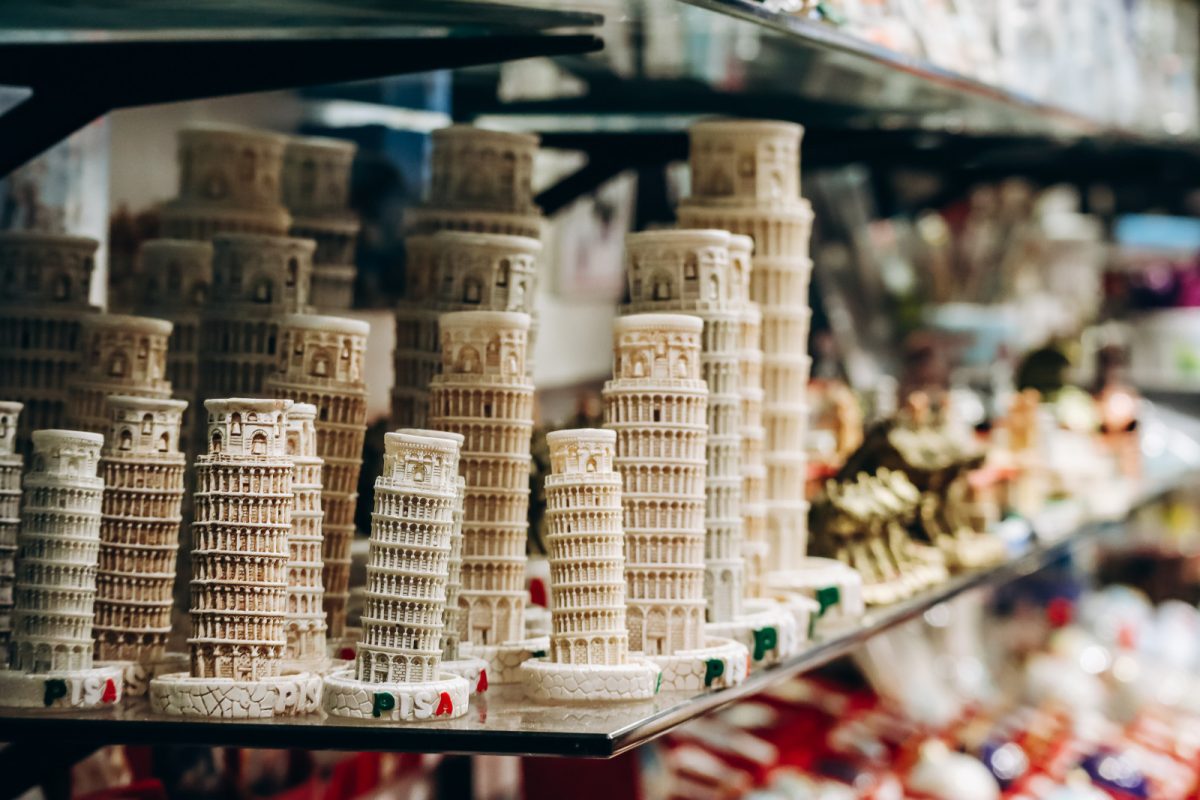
(721, 663)
(445, 698)
(137, 675)
(179, 694)
(473, 670)
(837, 589)
(767, 630)
(552, 682)
(504, 660)
(98, 687)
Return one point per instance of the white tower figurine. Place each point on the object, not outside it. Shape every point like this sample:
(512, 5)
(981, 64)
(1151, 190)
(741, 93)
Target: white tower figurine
(239, 573)
(746, 179)
(56, 580)
(484, 393)
(464, 272)
(320, 361)
(122, 355)
(656, 402)
(397, 671)
(589, 647)
(473, 669)
(44, 284)
(11, 466)
(143, 472)
(228, 183)
(305, 625)
(316, 190)
(689, 271)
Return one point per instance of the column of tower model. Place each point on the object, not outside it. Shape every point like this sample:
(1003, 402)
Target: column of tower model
(143, 471)
(397, 671)
(657, 403)
(229, 182)
(120, 355)
(689, 271)
(239, 583)
(55, 590)
(484, 393)
(11, 466)
(305, 626)
(589, 646)
(316, 190)
(746, 179)
(456, 271)
(473, 669)
(321, 362)
(46, 279)
(255, 280)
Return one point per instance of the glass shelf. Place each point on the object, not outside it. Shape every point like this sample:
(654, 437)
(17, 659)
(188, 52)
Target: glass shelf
(502, 721)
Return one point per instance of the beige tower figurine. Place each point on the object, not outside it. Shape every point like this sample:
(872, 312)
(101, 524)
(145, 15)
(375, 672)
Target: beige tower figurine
(397, 673)
(229, 182)
(473, 669)
(55, 593)
(316, 190)
(320, 361)
(465, 272)
(484, 393)
(239, 583)
(143, 470)
(657, 404)
(122, 355)
(746, 179)
(44, 284)
(589, 647)
(11, 466)
(305, 625)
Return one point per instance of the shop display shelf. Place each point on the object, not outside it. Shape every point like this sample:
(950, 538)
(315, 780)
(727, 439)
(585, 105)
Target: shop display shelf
(503, 722)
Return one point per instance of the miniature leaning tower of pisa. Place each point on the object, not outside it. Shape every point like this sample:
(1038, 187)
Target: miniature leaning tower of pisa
(305, 601)
(589, 647)
(320, 361)
(239, 583)
(656, 402)
(689, 271)
(484, 393)
(466, 272)
(11, 465)
(139, 531)
(122, 355)
(397, 671)
(56, 580)
(316, 190)
(44, 284)
(228, 183)
(746, 179)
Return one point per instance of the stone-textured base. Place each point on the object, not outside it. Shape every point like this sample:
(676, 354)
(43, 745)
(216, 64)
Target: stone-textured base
(504, 660)
(473, 670)
(445, 698)
(537, 622)
(137, 676)
(837, 589)
(551, 682)
(719, 665)
(767, 630)
(179, 694)
(99, 687)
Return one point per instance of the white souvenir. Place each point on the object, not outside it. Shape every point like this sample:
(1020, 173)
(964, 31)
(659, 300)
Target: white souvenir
(305, 625)
(11, 466)
(123, 355)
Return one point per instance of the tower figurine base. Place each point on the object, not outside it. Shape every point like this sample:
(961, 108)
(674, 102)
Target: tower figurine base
(99, 687)
(552, 682)
(179, 694)
(504, 660)
(836, 588)
(137, 675)
(768, 630)
(473, 670)
(445, 698)
(720, 664)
